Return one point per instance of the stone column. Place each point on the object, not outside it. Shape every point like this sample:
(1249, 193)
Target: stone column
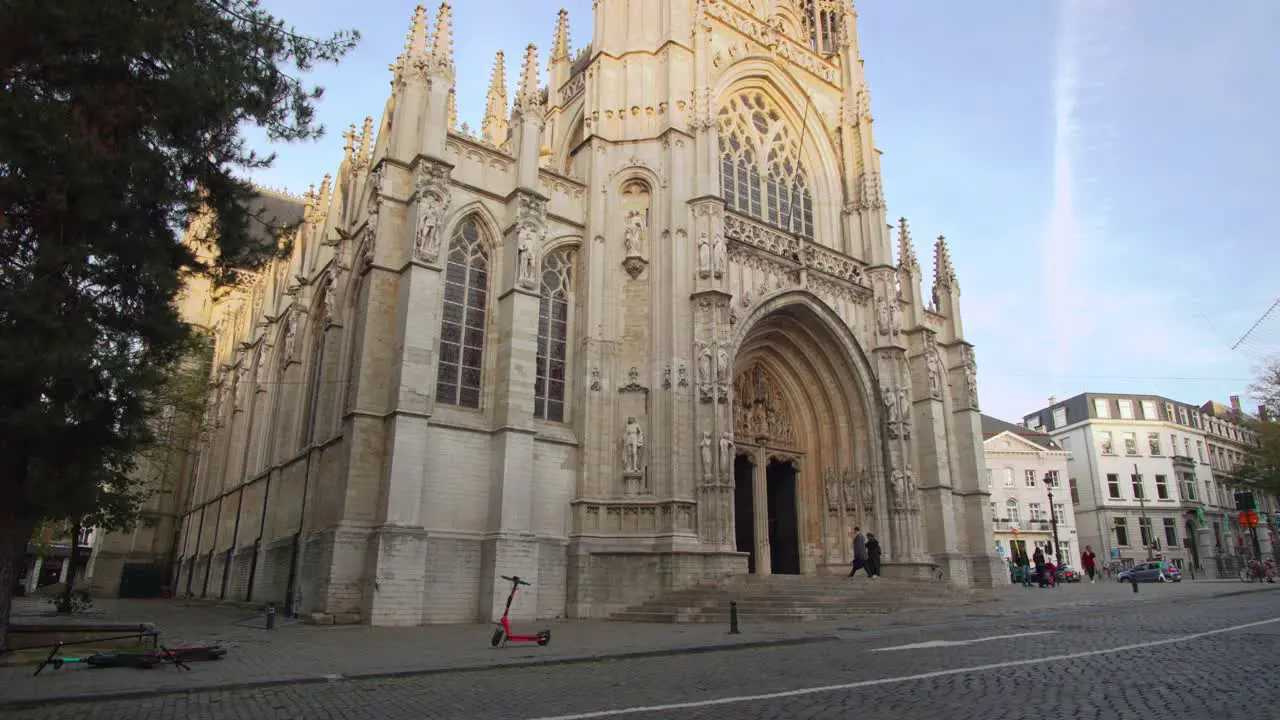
(402, 554)
(510, 546)
(934, 476)
(760, 512)
(972, 500)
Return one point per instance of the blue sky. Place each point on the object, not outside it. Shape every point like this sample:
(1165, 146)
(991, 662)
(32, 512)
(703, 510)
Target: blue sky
(1104, 171)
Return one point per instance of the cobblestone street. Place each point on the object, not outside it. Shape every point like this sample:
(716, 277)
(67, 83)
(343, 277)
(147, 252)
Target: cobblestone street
(1193, 655)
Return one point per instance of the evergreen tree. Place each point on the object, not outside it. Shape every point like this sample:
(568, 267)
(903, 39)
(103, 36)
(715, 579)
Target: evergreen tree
(118, 122)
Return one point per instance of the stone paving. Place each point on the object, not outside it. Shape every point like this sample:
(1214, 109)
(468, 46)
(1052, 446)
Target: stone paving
(298, 654)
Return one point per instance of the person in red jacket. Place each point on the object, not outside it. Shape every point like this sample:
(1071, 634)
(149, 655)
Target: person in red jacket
(1089, 562)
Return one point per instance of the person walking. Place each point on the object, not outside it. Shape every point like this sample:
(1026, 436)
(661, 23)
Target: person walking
(1089, 562)
(859, 552)
(1024, 567)
(1038, 558)
(873, 556)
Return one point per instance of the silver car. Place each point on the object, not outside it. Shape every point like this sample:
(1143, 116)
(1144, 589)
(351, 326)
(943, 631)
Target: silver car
(1154, 571)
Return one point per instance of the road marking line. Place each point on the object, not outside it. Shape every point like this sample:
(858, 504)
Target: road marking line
(905, 678)
(956, 643)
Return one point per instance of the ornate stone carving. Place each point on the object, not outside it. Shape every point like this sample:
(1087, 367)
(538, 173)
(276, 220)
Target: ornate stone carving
(704, 255)
(526, 259)
(666, 377)
(831, 483)
(682, 374)
(719, 256)
(897, 402)
(331, 297)
(759, 412)
(789, 251)
(867, 490)
(898, 488)
(374, 202)
(888, 316)
(595, 378)
(933, 366)
(633, 382)
(290, 335)
(723, 368)
(633, 234)
(849, 487)
(260, 372)
(705, 450)
(432, 188)
(970, 365)
(871, 192)
(726, 453)
(706, 385)
(632, 446)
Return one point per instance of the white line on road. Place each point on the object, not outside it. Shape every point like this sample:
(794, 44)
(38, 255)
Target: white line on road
(905, 678)
(955, 643)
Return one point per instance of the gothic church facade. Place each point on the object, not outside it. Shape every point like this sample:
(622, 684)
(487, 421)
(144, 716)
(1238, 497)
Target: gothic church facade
(645, 327)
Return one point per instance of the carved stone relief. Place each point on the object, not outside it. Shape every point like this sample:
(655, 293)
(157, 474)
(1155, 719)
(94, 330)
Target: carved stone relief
(432, 187)
(759, 412)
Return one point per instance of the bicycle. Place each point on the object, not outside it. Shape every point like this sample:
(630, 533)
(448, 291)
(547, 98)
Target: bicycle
(1260, 571)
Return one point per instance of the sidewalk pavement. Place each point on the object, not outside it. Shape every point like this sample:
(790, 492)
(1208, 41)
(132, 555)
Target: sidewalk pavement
(297, 653)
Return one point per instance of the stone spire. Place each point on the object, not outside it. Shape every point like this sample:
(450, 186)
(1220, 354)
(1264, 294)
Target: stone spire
(364, 150)
(906, 252)
(453, 109)
(442, 42)
(494, 127)
(528, 96)
(560, 43)
(944, 273)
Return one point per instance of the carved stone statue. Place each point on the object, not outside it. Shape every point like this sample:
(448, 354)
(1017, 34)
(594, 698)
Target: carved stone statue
(632, 446)
(849, 486)
(526, 265)
(971, 376)
(682, 375)
(720, 256)
(705, 447)
(704, 255)
(895, 317)
(868, 491)
(882, 316)
(898, 488)
(705, 371)
(722, 365)
(935, 374)
(331, 299)
(890, 397)
(632, 234)
(290, 335)
(426, 240)
(831, 482)
(726, 452)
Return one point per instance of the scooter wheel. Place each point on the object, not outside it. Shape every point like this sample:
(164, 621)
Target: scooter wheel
(544, 637)
(497, 638)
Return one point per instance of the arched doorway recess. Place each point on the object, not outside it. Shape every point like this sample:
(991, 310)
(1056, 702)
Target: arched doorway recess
(801, 422)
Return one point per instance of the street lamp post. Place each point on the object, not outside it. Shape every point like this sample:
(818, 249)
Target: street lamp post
(1142, 503)
(1053, 518)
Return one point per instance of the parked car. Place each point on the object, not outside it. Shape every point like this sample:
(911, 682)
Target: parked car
(1153, 571)
(1068, 574)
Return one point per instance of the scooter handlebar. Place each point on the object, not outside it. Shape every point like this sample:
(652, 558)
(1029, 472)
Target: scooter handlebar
(516, 580)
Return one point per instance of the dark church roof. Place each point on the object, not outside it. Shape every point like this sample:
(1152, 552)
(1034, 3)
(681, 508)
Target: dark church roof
(274, 211)
(993, 426)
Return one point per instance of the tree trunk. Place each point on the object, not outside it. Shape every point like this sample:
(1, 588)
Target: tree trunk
(65, 605)
(15, 532)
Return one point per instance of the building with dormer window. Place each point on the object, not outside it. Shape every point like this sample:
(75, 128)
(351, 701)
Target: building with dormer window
(1018, 463)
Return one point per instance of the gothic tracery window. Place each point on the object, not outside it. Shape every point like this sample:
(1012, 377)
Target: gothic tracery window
(760, 169)
(462, 325)
(553, 336)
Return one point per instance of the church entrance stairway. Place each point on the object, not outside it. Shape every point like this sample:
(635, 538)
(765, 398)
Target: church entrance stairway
(797, 598)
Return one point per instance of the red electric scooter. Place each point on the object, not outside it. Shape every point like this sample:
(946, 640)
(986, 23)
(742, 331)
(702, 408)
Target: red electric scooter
(502, 635)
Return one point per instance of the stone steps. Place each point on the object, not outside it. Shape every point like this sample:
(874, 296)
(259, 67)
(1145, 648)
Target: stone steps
(793, 598)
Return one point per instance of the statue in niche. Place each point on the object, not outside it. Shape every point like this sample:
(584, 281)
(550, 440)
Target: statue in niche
(849, 486)
(426, 241)
(633, 232)
(890, 397)
(882, 316)
(706, 450)
(726, 452)
(704, 255)
(971, 376)
(720, 256)
(935, 374)
(705, 372)
(526, 274)
(682, 375)
(904, 411)
(895, 317)
(331, 300)
(633, 445)
(260, 372)
(868, 490)
(898, 487)
(722, 365)
(290, 335)
(831, 481)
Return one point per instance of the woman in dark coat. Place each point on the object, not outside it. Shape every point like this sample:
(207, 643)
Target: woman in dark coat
(873, 555)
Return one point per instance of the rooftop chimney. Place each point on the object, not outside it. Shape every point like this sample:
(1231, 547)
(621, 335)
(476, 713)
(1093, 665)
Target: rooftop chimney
(1052, 400)
(1235, 403)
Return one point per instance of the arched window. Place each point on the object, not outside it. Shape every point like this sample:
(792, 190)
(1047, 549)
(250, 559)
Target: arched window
(462, 327)
(760, 165)
(553, 335)
(314, 372)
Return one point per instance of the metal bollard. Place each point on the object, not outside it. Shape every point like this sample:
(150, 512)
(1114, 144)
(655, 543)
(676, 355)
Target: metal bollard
(1134, 579)
(733, 618)
(271, 616)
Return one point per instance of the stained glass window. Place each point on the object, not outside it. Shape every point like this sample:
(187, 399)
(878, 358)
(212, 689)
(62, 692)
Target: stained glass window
(553, 336)
(760, 169)
(462, 327)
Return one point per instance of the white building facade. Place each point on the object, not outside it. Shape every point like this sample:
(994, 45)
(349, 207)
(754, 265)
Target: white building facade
(645, 328)
(1026, 474)
(1138, 474)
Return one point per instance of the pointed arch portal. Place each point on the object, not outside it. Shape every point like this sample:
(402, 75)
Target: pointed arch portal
(799, 410)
